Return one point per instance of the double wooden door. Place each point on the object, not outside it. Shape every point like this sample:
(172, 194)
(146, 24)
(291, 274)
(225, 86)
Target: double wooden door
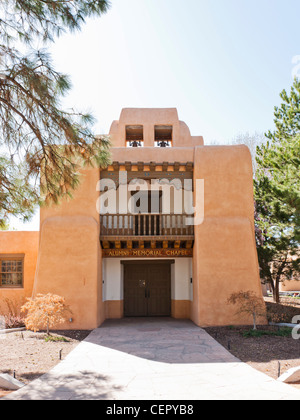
(147, 290)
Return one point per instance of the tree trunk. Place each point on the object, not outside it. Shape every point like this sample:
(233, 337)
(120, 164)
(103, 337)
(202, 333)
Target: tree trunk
(277, 281)
(276, 293)
(254, 322)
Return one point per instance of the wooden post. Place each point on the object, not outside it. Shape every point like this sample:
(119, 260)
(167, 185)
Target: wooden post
(139, 225)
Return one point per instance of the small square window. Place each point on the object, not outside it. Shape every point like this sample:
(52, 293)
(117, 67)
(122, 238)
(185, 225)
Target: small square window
(163, 135)
(135, 136)
(11, 272)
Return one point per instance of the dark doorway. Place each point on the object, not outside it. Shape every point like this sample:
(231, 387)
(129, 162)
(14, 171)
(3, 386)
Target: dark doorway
(148, 204)
(147, 289)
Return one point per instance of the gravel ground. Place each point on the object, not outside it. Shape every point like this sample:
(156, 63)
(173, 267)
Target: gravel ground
(30, 356)
(262, 353)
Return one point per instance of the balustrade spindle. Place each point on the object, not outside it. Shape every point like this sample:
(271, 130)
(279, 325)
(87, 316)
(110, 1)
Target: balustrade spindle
(145, 225)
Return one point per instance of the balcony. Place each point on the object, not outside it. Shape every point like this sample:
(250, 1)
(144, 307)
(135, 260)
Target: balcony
(145, 225)
(142, 231)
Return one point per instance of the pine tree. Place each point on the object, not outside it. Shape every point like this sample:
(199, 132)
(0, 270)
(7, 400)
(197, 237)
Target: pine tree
(42, 145)
(17, 197)
(287, 116)
(277, 193)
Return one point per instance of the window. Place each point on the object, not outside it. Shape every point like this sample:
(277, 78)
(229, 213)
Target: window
(163, 135)
(11, 271)
(146, 202)
(135, 136)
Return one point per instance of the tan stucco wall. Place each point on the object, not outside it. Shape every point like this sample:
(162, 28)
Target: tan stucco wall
(225, 257)
(83, 202)
(70, 260)
(114, 309)
(26, 243)
(290, 286)
(181, 309)
(153, 154)
(149, 118)
(68, 266)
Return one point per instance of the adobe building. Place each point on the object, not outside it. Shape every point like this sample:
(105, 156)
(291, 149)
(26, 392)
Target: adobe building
(166, 230)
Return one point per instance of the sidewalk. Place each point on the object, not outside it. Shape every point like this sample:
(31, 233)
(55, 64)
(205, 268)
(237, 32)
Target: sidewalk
(153, 359)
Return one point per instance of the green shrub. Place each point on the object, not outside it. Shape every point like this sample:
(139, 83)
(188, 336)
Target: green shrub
(282, 332)
(55, 339)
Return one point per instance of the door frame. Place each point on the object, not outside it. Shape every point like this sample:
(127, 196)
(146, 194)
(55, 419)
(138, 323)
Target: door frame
(169, 262)
(149, 261)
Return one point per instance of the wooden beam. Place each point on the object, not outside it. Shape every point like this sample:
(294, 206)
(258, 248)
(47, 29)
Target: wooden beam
(128, 166)
(116, 166)
(165, 166)
(106, 245)
(177, 244)
(176, 166)
(140, 166)
(189, 244)
(189, 167)
(152, 166)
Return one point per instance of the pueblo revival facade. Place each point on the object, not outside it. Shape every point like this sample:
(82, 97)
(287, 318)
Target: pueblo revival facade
(166, 231)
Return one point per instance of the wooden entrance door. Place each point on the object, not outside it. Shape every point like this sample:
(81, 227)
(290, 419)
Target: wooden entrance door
(147, 290)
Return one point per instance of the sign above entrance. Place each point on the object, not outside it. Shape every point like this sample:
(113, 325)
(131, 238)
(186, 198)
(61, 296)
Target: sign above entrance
(147, 253)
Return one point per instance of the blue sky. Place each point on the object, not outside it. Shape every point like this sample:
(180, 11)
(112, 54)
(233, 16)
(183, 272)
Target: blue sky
(222, 63)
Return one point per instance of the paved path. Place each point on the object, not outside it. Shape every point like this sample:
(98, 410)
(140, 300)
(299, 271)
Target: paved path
(153, 359)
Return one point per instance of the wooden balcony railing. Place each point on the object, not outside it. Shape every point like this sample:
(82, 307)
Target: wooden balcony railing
(139, 225)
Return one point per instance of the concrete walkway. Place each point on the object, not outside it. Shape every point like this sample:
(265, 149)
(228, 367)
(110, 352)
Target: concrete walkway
(159, 359)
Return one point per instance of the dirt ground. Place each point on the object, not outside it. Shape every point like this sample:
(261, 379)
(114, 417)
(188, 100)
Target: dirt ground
(30, 356)
(262, 353)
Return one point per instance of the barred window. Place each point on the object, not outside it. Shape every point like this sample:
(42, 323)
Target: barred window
(11, 272)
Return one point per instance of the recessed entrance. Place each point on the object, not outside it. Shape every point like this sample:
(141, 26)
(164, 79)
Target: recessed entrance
(147, 289)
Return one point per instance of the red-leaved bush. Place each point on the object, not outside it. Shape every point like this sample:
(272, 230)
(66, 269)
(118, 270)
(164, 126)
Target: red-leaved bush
(10, 313)
(45, 311)
(12, 321)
